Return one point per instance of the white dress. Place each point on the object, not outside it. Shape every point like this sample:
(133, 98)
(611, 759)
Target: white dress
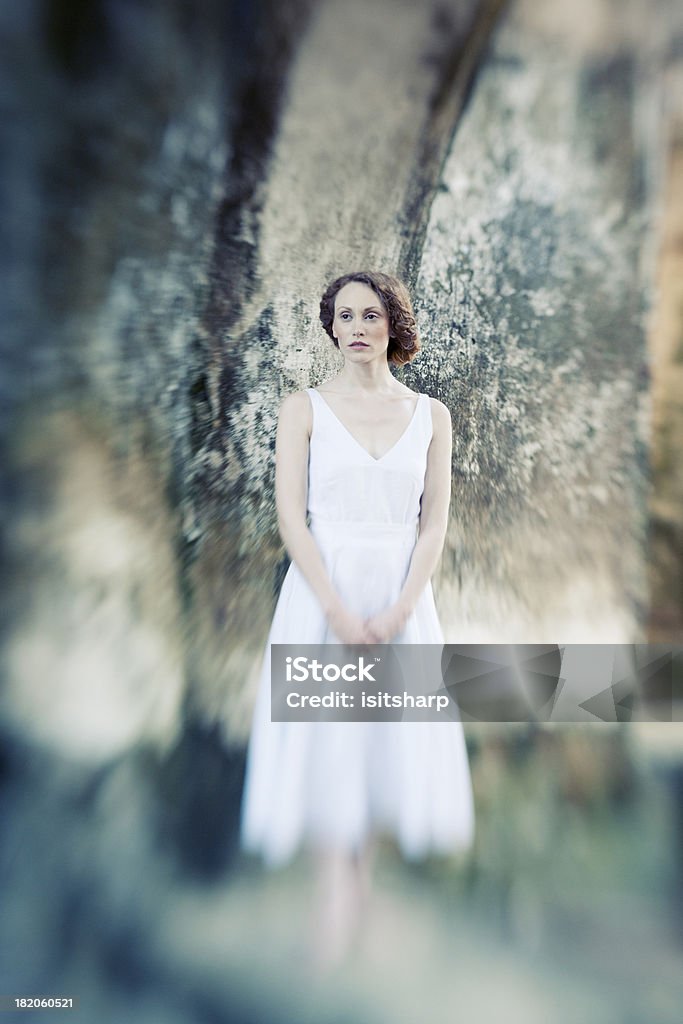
(333, 783)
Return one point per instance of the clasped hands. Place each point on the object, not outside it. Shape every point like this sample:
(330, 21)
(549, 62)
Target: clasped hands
(350, 628)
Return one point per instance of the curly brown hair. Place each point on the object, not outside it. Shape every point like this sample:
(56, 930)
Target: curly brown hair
(404, 339)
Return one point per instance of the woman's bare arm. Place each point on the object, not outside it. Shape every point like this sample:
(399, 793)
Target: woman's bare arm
(433, 523)
(291, 496)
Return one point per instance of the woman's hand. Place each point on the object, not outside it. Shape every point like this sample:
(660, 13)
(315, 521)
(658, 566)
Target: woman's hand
(384, 626)
(348, 627)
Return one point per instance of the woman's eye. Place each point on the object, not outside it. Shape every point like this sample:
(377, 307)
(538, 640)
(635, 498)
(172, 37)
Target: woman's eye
(344, 316)
(373, 315)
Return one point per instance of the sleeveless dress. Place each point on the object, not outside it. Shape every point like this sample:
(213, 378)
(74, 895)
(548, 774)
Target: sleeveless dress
(333, 783)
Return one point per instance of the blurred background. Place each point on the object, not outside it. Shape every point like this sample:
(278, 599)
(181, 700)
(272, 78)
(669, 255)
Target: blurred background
(178, 183)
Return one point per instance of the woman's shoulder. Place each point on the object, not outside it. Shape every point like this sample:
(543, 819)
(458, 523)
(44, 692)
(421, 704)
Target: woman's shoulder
(296, 408)
(438, 408)
(440, 412)
(296, 399)
(441, 416)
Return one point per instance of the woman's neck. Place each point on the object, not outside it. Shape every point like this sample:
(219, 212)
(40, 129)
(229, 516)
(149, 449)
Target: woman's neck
(370, 377)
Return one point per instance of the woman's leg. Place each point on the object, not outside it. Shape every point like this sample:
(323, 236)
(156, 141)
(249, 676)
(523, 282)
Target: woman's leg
(343, 885)
(363, 864)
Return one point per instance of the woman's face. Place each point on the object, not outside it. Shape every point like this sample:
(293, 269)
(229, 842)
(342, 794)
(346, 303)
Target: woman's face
(361, 323)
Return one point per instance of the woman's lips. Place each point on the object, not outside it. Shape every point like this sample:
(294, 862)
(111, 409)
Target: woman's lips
(358, 344)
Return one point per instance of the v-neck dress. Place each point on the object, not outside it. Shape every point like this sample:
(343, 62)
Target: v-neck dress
(334, 783)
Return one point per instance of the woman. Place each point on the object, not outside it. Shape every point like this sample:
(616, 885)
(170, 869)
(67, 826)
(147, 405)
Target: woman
(368, 461)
